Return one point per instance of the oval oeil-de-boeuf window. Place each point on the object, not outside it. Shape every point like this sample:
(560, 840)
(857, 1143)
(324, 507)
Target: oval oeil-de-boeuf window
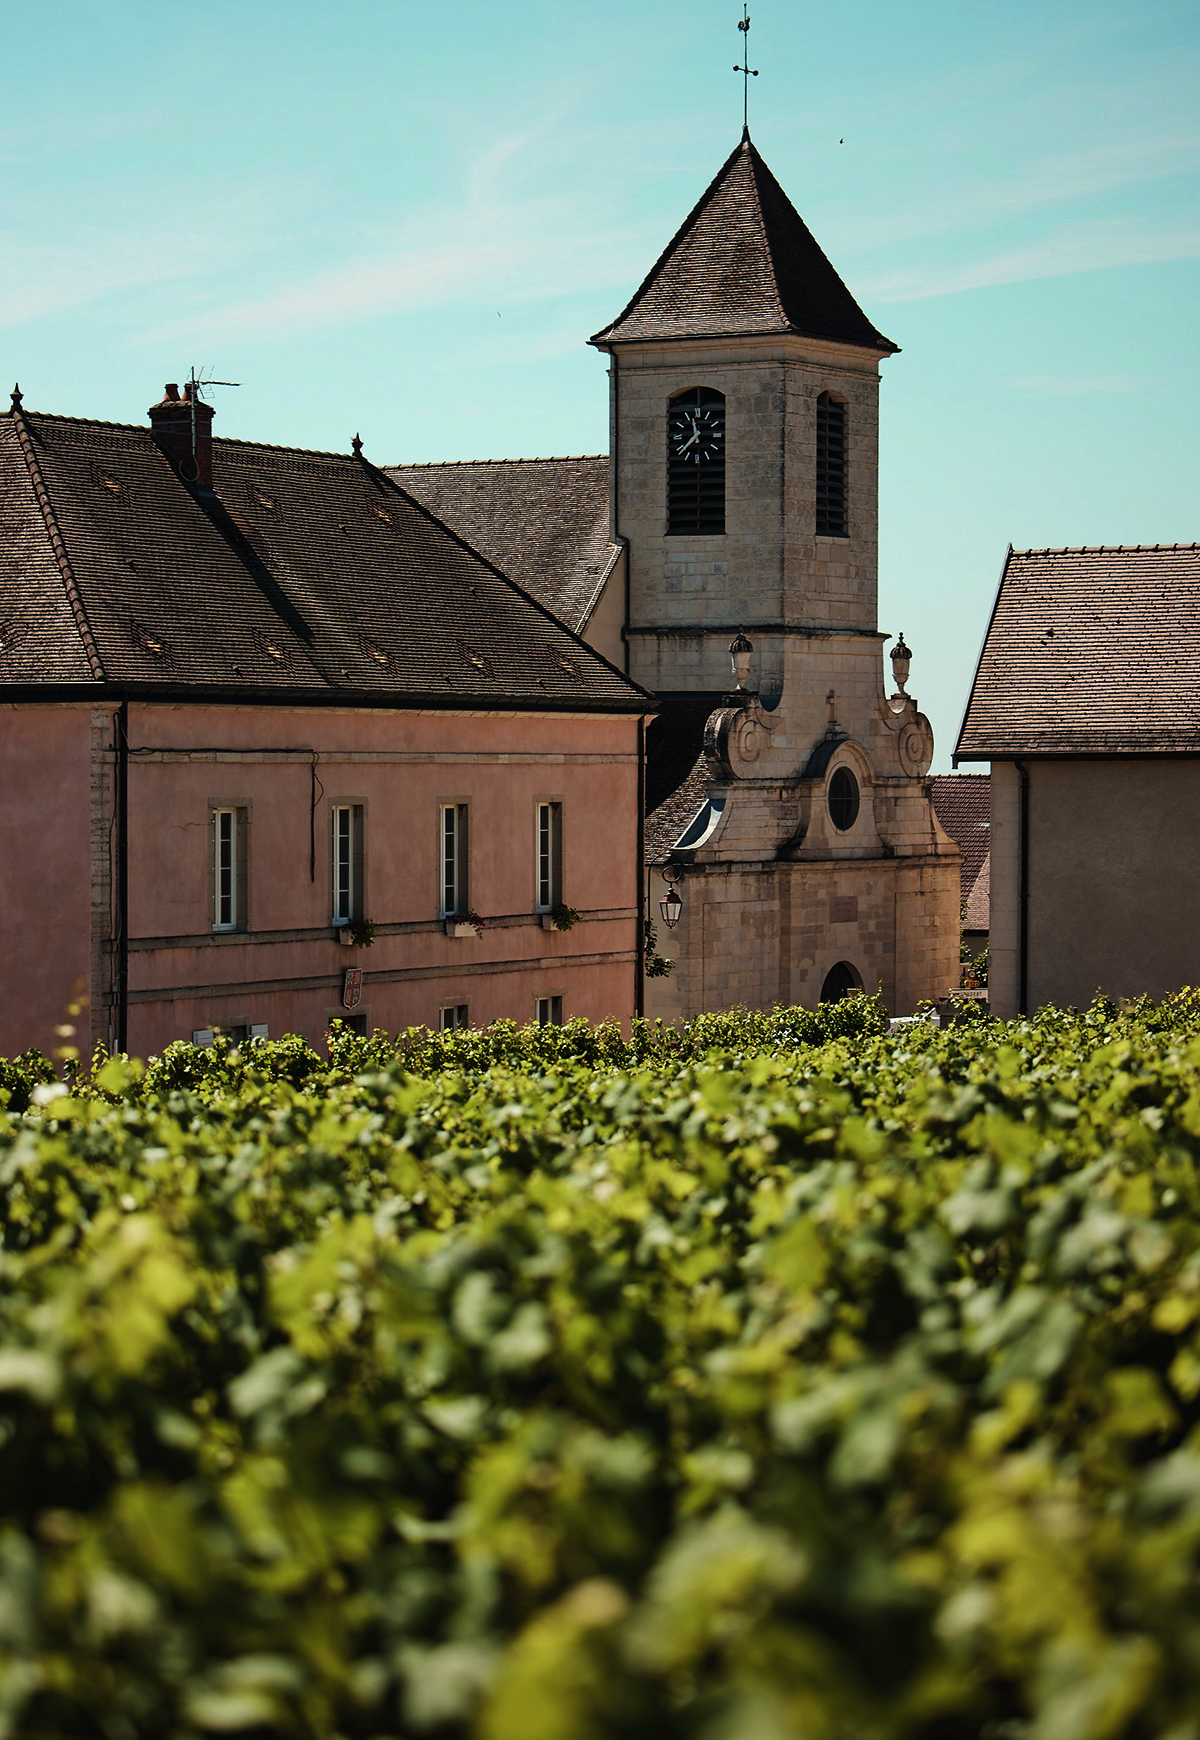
(843, 799)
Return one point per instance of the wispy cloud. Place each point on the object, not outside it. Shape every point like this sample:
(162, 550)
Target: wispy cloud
(947, 199)
(490, 246)
(1089, 246)
(200, 236)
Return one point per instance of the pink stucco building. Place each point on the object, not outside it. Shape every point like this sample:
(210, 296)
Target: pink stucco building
(254, 701)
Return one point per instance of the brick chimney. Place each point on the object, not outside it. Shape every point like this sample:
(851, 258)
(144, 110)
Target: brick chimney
(183, 429)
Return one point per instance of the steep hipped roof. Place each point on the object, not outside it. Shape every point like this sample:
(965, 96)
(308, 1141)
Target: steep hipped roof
(303, 574)
(1090, 652)
(543, 522)
(744, 262)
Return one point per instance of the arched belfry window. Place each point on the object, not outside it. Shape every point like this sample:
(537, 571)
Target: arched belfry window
(831, 468)
(696, 463)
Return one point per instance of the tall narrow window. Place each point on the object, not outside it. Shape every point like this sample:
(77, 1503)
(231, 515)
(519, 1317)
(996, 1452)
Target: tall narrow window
(455, 892)
(549, 857)
(831, 468)
(229, 835)
(347, 863)
(696, 463)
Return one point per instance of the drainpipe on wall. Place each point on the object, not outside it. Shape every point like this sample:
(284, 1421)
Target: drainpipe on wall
(1023, 915)
(614, 487)
(639, 965)
(121, 804)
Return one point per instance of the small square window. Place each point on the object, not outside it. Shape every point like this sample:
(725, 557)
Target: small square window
(549, 1011)
(454, 1016)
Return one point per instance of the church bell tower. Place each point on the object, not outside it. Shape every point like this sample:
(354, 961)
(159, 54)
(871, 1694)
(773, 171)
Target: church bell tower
(791, 811)
(744, 407)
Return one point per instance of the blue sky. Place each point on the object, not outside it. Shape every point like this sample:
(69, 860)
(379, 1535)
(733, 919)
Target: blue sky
(405, 220)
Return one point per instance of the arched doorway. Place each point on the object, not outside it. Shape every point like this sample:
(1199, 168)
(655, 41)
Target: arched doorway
(842, 980)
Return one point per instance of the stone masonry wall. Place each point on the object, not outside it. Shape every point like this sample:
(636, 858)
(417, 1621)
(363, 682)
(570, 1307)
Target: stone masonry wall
(689, 595)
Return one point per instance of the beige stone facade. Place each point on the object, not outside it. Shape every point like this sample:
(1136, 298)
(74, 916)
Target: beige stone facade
(769, 575)
(775, 896)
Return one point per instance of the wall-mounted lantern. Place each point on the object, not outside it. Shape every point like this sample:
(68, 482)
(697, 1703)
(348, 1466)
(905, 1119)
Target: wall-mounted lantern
(740, 650)
(901, 662)
(671, 907)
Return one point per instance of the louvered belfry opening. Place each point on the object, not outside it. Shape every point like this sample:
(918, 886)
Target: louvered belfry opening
(831, 468)
(696, 463)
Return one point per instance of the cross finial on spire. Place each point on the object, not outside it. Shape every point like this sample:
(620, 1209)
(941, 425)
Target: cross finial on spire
(747, 71)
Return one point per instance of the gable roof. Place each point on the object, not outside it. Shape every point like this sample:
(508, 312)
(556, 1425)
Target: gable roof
(963, 802)
(307, 575)
(744, 261)
(1090, 652)
(543, 522)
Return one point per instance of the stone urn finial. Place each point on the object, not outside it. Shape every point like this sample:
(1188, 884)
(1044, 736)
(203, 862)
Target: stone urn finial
(739, 658)
(901, 662)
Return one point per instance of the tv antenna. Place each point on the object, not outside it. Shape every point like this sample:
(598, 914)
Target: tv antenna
(747, 71)
(197, 386)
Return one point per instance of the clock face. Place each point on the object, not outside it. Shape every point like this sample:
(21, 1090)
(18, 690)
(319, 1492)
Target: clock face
(697, 432)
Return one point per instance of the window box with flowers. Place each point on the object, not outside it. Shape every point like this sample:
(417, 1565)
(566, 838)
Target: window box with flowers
(561, 918)
(464, 924)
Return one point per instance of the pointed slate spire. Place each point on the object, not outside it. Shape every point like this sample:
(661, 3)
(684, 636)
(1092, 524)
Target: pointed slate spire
(744, 262)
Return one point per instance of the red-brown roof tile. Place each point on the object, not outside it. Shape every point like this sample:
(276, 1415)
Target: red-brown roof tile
(1090, 652)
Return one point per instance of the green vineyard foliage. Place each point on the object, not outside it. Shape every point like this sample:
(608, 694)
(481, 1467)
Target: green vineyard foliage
(779, 1378)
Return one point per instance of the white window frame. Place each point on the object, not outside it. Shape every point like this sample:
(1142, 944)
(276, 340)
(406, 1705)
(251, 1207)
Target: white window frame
(347, 828)
(454, 897)
(454, 1017)
(547, 847)
(227, 826)
(549, 1011)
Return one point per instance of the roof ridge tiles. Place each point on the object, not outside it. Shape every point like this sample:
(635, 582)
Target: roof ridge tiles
(84, 422)
(534, 459)
(218, 440)
(1101, 549)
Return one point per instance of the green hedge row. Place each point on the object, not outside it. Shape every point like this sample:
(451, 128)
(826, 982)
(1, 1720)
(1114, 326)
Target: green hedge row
(535, 1387)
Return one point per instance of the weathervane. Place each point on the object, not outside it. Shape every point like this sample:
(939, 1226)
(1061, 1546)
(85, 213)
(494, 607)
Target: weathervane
(748, 72)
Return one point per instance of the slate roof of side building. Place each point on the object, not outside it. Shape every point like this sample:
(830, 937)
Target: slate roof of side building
(1090, 652)
(743, 262)
(543, 522)
(305, 575)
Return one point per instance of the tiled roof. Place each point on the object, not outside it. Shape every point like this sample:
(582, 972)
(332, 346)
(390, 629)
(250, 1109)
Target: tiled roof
(744, 262)
(978, 915)
(1090, 652)
(305, 574)
(676, 771)
(963, 802)
(543, 522)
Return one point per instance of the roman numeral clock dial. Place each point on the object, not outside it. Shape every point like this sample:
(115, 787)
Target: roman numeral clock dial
(697, 434)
